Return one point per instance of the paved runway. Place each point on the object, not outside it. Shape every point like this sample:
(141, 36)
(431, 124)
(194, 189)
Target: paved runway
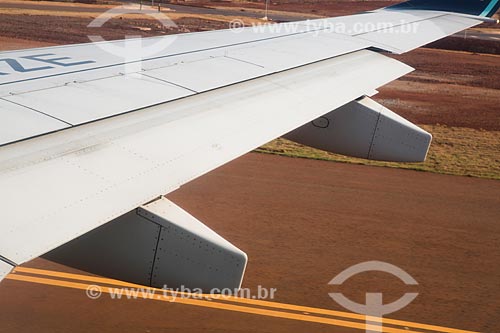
(302, 222)
(113, 288)
(182, 9)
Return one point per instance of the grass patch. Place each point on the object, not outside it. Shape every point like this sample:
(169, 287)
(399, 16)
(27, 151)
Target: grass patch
(454, 150)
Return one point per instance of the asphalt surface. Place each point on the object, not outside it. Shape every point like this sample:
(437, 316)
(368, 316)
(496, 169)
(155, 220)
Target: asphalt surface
(177, 8)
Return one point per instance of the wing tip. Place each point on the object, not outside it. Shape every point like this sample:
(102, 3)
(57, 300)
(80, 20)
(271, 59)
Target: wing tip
(471, 7)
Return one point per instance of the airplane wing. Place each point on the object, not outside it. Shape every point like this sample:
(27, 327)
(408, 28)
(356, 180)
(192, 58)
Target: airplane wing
(91, 137)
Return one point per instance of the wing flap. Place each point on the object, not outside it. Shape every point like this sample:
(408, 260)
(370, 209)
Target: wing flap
(19, 122)
(82, 102)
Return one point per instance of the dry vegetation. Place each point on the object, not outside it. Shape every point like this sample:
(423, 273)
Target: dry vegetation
(454, 150)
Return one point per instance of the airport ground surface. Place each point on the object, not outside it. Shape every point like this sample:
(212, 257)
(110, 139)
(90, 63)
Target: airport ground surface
(304, 221)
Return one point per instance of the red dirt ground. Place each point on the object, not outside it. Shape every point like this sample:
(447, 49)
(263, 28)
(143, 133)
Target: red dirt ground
(449, 88)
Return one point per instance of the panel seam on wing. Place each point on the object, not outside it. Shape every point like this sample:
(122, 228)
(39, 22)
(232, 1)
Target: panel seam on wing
(8, 261)
(35, 110)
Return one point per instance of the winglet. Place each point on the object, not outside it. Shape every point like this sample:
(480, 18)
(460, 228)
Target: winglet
(480, 8)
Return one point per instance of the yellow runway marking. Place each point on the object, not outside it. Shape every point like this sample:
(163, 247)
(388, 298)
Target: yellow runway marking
(225, 306)
(215, 305)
